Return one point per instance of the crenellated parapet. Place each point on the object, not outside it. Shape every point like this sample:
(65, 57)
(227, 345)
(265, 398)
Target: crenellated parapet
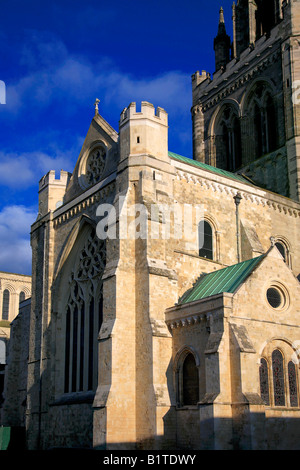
(147, 111)
(52, 191)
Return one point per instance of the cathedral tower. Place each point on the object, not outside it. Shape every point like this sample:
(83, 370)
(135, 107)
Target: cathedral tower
(245, 119)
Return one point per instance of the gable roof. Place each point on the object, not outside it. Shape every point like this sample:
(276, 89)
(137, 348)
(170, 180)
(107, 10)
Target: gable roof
(210, 168)
(224, 280)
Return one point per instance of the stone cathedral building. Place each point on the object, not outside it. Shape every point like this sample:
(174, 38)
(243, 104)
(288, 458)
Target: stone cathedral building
(154, 342)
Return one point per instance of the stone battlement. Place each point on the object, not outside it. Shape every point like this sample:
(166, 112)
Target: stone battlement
(198, 78)
(50, 178)
(147, 111)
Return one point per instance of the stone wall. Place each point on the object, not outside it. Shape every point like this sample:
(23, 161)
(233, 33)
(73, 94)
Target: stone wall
(15, 391)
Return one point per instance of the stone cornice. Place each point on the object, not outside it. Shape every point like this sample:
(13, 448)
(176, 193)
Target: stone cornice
(86, 200)
(253, 194)
(187, 321)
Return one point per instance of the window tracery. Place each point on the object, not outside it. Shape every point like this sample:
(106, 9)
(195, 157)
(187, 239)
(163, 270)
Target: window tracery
(95, 165)
(264, 381)
(278, 380)
(229, 147)
(84, 316)
(263, 116)
(292, 384)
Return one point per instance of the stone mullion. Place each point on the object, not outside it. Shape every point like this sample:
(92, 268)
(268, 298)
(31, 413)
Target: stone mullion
(86, 343)
(71, 346)
(79, 313)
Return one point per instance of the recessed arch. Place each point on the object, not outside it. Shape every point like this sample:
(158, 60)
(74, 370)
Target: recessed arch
(279, 373)
(70, 241)
(225, 128)
(227, 102)
(6, 303)
(284, 247)
(187, 368)
(6, 285)
(82, 168)
(183, 352)
(215, 248)
(250, 92)
(26, 291)
(77, 300)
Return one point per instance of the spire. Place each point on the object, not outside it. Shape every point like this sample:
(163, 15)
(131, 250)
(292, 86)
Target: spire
(222, 28)
(221, 20)
(222, 43)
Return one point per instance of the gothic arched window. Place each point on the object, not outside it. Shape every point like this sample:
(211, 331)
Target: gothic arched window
(258, 131)
(228, 144)
(281, 387)
(21, 297)
(5, 305)
(84, 316)
(190, 380)
(264, 122)
(293, 384)
(264, 381)
(278, 378)
(205, 232)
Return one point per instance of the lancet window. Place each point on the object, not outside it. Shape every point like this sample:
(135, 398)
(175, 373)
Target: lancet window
(190, 380)
(83, 318)
(5, 304)
(264, 122)
(264, 381)
(278, 378)
(292, 375)
(205, 232)
(229, 148)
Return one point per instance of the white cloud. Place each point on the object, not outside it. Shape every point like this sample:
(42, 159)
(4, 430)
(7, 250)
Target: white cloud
(15, 253)
(55, 75)
(171, 89)
(69, 82)
(21, 171)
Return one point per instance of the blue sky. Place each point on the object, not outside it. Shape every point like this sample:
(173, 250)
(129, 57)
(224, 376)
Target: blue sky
(57, 57)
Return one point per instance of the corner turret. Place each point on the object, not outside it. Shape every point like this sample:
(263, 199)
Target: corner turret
(52, 191)
(144, 133)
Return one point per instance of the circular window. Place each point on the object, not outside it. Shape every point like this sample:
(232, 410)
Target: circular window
(277, 296)
(95, 165)
(274, 297)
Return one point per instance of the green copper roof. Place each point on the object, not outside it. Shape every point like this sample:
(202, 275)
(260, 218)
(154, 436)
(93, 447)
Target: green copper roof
(210, 168)
(223, 280)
